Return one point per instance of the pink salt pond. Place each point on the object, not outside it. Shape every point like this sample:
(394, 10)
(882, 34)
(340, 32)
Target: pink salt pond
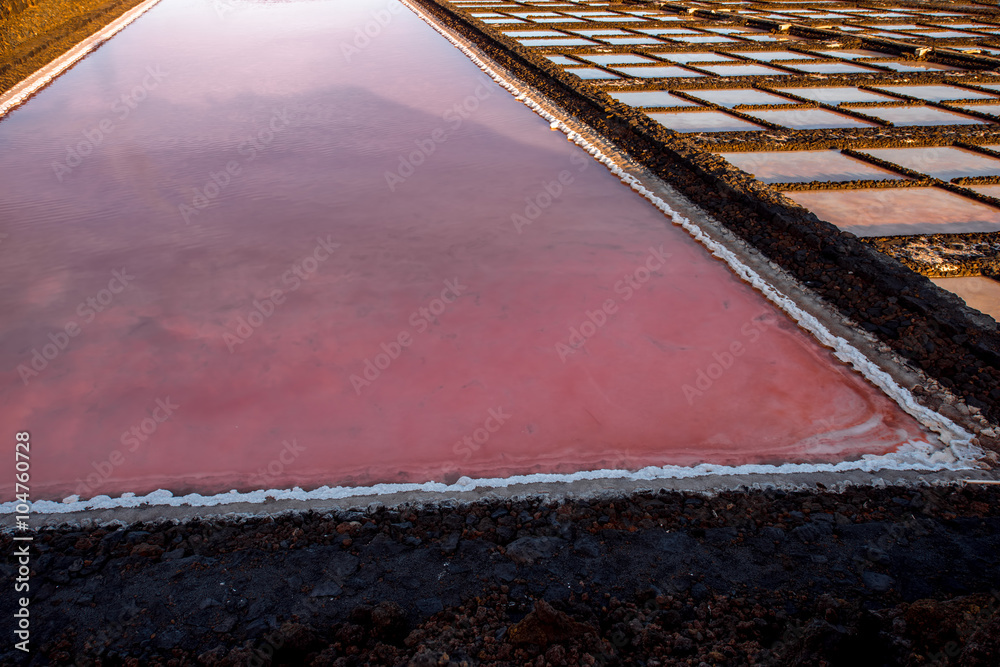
(944, 162)
(988, 190)
(837, 95)
(806, 166)
(921, 115)
(898, 211)
(701, 121)
(808, 119)
(286, 270)
(977, 292)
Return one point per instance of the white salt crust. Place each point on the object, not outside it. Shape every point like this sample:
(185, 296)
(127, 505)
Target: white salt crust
(957, 454)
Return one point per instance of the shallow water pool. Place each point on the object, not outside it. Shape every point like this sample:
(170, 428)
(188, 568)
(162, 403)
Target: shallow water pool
(899, 211)
(702, 121)
(809, 119)
(977, 292)
(806, 166)
(944, 162)
(302, 264)
(921, 115)
(838, 95)
(733, 97)
(651, 98)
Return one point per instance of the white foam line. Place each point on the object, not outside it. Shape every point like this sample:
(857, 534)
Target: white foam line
(913, 456)
(959, 453)
(22, 91)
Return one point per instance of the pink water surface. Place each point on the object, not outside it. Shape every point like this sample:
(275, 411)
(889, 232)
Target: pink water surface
(690, 365)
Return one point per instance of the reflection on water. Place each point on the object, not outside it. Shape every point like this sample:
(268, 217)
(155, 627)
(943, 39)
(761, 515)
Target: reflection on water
(853, 54)
(735, 96)
(921, 116)
(891, 212)
(806, 166)
(991, 108)
(808, 119)
(655, 72)
(616, 59)
(978, 292)
(917, 66)
(742, 70)
(648, 41)
(768, 56)
(692, 57)
(702, 121)
(591, 73)
(988, 190)
(556, 41)
(829, 68)
(702, 39)
(838, 95)
(651, 98)
(937, 93)
(944, 162)
(338, 260)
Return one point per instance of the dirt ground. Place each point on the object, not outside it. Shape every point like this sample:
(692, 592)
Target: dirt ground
(35, 32)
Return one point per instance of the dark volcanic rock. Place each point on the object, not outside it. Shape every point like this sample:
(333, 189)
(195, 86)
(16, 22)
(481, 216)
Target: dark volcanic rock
(527, 550)
(886, 583)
